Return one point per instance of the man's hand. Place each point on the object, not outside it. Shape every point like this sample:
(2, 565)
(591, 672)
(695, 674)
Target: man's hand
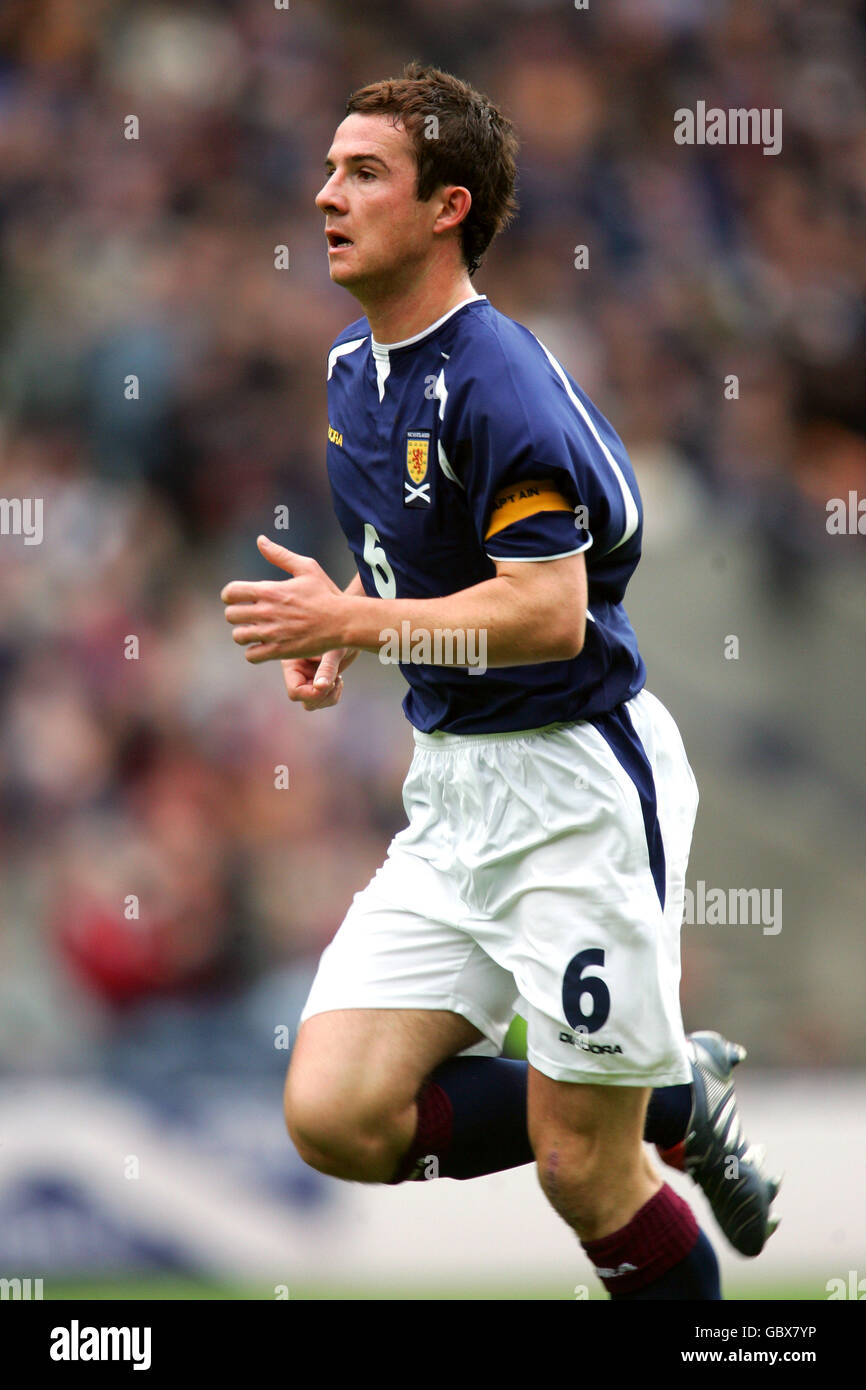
(296, 618)
(318, 684)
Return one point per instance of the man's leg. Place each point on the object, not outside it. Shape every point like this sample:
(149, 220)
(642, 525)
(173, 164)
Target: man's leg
(487, 1101)
(641, 1237)
(470, 1114)
(352, 1088)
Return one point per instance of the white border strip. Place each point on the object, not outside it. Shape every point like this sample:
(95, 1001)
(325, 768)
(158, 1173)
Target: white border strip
(632, 516)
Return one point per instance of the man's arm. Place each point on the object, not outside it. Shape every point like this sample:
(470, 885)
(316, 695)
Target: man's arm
(532, 611)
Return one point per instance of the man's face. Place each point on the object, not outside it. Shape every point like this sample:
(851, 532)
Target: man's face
(378, 233)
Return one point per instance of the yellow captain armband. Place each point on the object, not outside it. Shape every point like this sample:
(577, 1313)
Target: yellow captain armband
(521, 500)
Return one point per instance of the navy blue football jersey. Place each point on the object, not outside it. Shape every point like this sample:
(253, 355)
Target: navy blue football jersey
(470, 443)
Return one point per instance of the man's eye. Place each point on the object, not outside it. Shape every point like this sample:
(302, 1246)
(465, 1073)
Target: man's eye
(366, 173)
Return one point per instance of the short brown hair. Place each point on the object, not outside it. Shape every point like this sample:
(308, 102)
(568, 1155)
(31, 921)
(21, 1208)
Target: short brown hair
(474, 146)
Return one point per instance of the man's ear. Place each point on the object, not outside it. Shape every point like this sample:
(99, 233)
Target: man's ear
(456, 202)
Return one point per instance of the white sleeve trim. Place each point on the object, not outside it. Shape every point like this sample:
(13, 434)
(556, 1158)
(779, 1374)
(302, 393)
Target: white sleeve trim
(632, 516)
(536, 559)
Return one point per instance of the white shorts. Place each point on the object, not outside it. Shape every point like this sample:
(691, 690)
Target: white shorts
(541, 873)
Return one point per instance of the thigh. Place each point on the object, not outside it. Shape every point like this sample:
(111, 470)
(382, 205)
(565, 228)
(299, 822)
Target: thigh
(366, 1062)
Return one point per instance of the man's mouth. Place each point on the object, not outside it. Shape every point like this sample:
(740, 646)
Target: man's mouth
(336, 240)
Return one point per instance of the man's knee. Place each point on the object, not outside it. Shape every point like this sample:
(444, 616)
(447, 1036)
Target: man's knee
(358, 1138)
(573, 1175)
(588, 1144)
(352, 1084)
(593, 1181)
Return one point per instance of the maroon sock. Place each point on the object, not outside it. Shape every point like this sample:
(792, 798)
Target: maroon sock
(432, 1135)
(658, 1237)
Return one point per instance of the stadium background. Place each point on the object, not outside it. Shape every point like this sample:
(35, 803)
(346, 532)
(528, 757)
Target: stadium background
(141, 1061)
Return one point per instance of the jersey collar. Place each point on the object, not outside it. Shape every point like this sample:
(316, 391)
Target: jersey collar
(382, 349)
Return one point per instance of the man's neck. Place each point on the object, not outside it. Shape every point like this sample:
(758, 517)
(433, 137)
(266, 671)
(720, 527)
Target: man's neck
(403, 313)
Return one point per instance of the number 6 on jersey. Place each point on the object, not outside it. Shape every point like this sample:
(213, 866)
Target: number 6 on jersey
(383, 575)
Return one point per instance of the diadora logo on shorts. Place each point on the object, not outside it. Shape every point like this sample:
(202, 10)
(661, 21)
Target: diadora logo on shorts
(335, 436)
(582, 1041)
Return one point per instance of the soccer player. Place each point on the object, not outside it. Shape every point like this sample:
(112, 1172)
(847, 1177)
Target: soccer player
(495, 521)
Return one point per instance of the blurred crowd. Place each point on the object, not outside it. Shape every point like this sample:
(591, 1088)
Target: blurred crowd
(151, 852)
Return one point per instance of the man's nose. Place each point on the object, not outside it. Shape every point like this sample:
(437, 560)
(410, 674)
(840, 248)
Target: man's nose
(330, 197)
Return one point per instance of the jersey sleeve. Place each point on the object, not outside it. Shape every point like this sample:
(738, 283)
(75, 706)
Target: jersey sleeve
(509, 444)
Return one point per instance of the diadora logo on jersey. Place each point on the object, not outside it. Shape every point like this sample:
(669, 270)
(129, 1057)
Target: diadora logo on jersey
(624, 1268)
(416, 493)
(335, 436)
(580, 1040)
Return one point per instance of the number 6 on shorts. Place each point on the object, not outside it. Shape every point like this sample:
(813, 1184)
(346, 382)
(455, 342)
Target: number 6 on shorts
(575, 986)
